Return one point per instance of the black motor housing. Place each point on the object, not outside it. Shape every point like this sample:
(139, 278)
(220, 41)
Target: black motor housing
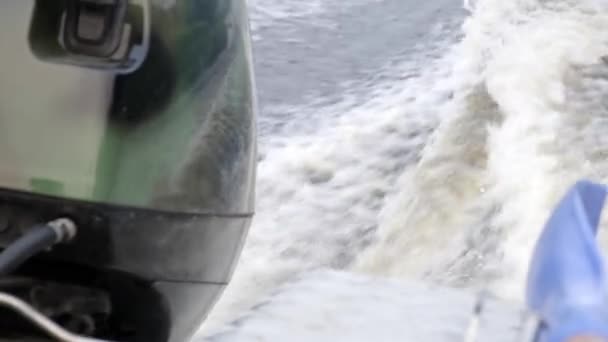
(159, 272)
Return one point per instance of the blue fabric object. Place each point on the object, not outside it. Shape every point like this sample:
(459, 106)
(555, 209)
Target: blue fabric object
(567, 278)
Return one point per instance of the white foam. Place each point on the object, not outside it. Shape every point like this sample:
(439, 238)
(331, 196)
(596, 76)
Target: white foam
(527, 118)
(318, 194)
(517, 136)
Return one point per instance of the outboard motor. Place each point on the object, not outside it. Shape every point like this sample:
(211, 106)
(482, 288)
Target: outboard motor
(567, 285)
(127, 165)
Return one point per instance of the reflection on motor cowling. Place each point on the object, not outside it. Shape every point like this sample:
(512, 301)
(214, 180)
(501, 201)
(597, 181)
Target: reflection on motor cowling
(151, 109)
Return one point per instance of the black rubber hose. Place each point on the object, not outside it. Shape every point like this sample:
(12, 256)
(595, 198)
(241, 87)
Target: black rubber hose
(33, 242)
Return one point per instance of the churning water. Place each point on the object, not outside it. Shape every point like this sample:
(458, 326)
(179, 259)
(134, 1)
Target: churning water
(418, 140)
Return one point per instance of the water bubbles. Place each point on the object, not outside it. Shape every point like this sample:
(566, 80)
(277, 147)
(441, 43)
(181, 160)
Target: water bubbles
(469, 5)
